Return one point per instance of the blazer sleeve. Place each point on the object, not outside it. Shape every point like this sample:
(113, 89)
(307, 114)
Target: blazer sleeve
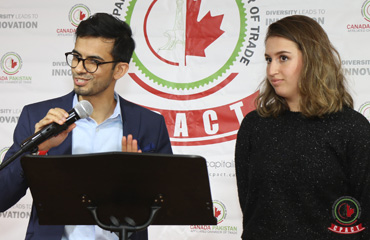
(13, 185)
(148, 127)
(153, 135)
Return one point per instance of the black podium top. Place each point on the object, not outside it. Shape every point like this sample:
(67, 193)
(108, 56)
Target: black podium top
(120, 185)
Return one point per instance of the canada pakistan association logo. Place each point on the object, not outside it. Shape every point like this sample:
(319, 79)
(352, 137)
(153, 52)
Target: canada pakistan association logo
(365, 110)
(346, 212)
(78, 13)
(219, 211)
(11, 63)
(365, 10)
(190, 53)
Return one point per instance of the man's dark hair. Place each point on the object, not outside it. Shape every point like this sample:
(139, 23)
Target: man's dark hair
(107, 26)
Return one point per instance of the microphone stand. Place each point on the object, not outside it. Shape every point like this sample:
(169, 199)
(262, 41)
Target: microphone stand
(31, 143)
(82, 109)
(25, 147)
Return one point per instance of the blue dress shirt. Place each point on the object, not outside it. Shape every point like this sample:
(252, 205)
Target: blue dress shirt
(89, 137)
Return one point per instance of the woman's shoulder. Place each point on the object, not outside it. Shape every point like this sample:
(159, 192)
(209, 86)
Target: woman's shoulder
(254, 120)
(252, 116)
(352, 117)
(350, 123)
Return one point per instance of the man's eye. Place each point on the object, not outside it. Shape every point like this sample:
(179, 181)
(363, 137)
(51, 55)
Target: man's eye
(92, 61)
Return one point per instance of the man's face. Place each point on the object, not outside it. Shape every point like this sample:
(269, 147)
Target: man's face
(100, 82)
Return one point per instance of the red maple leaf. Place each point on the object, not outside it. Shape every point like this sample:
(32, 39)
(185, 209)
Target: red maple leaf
(82, 15)
(14, 63)
(217, 212)
(199, 35)
(350, 211)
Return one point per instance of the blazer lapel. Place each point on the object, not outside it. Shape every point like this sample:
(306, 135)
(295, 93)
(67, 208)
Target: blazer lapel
(66, 146)
(130, 118)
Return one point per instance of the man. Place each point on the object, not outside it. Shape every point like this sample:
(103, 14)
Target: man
(102, 51)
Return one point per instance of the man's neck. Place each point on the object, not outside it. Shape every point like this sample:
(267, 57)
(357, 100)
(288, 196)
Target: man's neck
(103, 107)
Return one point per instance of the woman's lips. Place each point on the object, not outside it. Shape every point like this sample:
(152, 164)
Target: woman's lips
(276, 81)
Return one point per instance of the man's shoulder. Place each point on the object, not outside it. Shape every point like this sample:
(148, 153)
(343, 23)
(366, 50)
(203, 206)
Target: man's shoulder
(136, 108)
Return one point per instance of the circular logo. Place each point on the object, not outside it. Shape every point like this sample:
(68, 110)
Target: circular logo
(219, 211)
(11, 63)
(78, 13)
(2, 153)
(365, 110)
(365, 10)
(188, 52)
(346, 210)
(197, 51)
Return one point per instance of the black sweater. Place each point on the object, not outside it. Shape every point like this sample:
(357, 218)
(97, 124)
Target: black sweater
(290, 170)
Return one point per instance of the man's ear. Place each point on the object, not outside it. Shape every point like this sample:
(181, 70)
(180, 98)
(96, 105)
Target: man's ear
(120, 70)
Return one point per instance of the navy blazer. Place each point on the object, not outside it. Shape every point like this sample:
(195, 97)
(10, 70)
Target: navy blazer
(147, 127)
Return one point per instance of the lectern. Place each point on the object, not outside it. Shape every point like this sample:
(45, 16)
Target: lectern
(120, 192)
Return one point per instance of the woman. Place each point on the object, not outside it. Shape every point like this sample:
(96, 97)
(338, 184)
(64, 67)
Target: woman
(304, 147)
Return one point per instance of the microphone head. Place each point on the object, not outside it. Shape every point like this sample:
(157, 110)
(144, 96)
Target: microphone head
(84, 108)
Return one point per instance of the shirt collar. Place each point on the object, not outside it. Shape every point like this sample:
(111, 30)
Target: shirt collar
(117, 109)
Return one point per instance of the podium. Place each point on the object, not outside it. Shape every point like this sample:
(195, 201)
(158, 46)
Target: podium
(120, 192)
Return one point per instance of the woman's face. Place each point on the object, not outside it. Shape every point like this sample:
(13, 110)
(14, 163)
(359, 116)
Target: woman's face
(284, 67)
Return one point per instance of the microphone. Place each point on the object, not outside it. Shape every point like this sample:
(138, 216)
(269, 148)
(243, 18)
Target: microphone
(83, 109)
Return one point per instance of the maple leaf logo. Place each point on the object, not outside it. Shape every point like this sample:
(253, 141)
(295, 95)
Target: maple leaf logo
(217, 212)
(82, 15)
(14, 64)
(199, 35)
(350, 211)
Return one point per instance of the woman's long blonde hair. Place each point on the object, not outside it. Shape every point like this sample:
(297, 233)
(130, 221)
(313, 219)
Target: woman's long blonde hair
(322, 85)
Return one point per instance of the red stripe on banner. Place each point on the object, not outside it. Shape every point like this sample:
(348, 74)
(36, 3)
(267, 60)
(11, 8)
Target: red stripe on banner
(206, 126)
(182, 97)
(204, 142)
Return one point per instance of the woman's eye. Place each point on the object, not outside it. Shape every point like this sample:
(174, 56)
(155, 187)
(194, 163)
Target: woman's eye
(283, 58)
(268, 59)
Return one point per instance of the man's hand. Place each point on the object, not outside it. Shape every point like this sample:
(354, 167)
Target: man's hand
(58, 116)
(129, 144)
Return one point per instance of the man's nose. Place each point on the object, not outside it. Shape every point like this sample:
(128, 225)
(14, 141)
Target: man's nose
(80, 67)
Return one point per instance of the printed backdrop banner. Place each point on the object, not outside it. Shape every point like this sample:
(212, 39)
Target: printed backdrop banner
(197, 62)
